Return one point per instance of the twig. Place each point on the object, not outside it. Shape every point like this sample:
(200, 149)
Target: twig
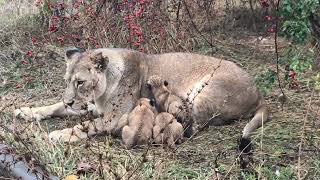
(277, 53)
(177, 16)
(195, 26)
(253, 16)
(141, 162)
(210, 24)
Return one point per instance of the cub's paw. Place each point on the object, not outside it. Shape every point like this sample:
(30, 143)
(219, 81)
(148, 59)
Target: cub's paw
(69, 135)
(27, 113)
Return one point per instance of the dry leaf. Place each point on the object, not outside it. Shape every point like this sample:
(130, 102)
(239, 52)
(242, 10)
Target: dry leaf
(71, 177)
(84, 166)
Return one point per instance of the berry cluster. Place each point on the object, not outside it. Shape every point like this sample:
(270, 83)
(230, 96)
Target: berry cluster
(265, 5)
(134, 11)
(291, 75)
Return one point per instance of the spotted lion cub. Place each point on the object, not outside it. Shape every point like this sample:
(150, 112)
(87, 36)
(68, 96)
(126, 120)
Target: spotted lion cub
(140, 124)
(167, 130)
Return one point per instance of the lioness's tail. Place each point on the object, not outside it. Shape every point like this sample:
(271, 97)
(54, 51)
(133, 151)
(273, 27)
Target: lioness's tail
(260, 118)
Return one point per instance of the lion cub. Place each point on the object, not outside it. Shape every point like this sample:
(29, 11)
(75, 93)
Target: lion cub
(167, 130)
(140, 124)
(166, 100)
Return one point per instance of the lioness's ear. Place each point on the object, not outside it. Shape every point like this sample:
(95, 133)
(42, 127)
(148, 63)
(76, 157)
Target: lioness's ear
(71, 52)
(100, 62)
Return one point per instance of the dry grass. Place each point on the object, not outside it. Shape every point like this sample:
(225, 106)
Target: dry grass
(277, 153)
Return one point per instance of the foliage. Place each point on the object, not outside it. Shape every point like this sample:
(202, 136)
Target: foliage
(135, 24)
(295, 14)
(265, 79)
(297, 59)
(179, 172)
(294, 19)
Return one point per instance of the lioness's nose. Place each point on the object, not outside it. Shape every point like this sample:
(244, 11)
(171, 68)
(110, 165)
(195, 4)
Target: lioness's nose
(70, 103)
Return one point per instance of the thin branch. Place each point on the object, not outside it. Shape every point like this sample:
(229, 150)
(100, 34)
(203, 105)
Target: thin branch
(177, 16)
(195, 26)
(277, 53)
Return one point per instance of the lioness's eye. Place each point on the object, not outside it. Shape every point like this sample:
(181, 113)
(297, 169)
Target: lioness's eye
(79, 83)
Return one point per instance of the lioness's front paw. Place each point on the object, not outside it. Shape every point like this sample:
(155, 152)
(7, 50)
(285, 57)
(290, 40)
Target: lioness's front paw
(67, 135)
(28, 113)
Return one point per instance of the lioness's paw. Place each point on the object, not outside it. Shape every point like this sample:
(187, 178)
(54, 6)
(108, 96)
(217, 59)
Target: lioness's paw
(59, 136)
(27, 113)
(67, 135)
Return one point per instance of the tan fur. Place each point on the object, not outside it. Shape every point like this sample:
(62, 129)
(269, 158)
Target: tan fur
(141, 121)
(166, 100)
(115, 79)
(167, 130)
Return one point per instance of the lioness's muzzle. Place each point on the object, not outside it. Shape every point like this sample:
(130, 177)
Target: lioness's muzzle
(69, 103)
(69, 96)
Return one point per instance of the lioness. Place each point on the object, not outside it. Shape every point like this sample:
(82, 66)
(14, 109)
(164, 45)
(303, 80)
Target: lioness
(167, 130)
(140, 124)
(114, 79)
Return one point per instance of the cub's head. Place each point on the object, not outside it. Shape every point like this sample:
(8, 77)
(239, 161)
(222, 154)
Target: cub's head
(149, 103)
(85, 77)
(157, 84)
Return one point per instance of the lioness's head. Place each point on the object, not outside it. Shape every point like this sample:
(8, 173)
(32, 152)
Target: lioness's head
(85, 77)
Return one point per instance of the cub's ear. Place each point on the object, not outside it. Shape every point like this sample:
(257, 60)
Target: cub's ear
(152, 102)
(165, 83)
(70, 52)
(100, 62)
(148, 85)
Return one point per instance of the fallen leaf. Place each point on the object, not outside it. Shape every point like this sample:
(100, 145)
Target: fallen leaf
(71, 177)
(83, 167)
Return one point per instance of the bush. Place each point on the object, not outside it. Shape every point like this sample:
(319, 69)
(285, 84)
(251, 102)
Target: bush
(295, 14)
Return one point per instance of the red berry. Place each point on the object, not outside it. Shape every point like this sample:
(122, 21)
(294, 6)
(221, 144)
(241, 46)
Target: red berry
(55, 18)
(136, 43)
(141, 49)
(142, 2)
(23, 61)
(264, 3)
(29, 53)
(34, 40)
(268, 18)
(52, 28)
(139, 33)
(292, 74)
(60, 39)
(271, 29)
